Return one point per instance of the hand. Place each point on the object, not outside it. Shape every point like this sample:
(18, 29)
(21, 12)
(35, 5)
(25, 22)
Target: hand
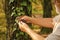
(23, 26)
(26, 18)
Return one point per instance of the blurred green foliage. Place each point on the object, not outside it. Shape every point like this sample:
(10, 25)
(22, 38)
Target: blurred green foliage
(18, 8)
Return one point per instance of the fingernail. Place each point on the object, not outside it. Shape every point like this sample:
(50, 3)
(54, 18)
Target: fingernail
(21, 22)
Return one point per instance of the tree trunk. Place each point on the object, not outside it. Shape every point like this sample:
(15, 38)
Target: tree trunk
(10, 22)
(47, 8)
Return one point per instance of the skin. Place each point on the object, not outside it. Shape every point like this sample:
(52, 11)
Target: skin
(44, 22)
(25, 28)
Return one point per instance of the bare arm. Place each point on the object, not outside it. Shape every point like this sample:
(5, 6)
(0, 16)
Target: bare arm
(34, 35)
(45, 22)
(25, 28)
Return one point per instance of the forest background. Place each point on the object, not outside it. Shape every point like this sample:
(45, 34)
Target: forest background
(36, 8)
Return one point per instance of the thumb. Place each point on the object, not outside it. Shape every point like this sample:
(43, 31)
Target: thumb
(21, 23)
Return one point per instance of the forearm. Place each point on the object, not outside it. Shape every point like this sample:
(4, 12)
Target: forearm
(45, 22)
(34, 35)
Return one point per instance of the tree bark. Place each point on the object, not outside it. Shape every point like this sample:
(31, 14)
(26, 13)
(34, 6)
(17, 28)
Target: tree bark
(10, 22)
(47, 8)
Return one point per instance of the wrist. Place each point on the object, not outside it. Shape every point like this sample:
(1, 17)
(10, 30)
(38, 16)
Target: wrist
(30, 19)
(28, 31)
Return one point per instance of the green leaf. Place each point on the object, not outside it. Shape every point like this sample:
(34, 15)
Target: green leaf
(13, 13)
(21, 8)
(11, 1)
(21, 33)
(23, 3)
